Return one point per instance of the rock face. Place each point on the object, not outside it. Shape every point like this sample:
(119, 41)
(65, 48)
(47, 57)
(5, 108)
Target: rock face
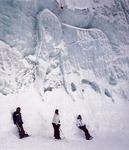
(90, 42)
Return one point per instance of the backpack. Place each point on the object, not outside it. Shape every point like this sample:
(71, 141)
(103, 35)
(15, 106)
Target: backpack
(14, 118)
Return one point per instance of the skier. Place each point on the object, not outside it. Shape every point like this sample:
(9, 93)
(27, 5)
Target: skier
(56, 124)
(82, 126)
(17, 119)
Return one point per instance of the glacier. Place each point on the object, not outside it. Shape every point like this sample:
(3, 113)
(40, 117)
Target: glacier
(15, 71)
(94, 37)
(67, 54)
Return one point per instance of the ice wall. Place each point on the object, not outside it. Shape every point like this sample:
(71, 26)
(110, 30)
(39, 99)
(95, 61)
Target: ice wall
(15, 72)
(70, 50)
(16, 28)
(72, 39)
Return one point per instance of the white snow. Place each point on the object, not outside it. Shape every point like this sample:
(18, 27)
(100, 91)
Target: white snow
(84, 47)
(15, 71)
(87, 3)
(96, 110)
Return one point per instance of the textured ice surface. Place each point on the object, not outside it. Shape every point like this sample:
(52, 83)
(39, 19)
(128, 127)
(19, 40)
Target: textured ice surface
(87, 37)
(75, 50)
(78, 59)
(15, 72)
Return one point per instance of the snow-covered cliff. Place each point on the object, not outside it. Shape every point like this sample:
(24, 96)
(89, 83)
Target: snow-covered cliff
(67, 54)
(87, 38)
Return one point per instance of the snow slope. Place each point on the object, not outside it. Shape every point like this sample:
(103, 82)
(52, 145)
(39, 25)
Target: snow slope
(37, 115)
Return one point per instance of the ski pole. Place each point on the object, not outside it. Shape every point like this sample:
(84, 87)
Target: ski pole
(62, 133)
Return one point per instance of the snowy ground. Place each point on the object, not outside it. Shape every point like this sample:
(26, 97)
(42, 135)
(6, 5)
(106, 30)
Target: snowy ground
(37, 116)
(46, 143)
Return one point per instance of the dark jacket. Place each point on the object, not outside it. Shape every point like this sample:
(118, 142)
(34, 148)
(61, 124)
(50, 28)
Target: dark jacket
(17, 119)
